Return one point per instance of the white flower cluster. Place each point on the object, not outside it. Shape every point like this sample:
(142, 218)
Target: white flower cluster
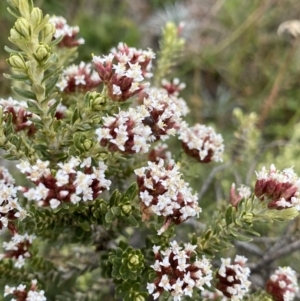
(125, 54)
(65, 30)
(20, 114)
(177, 273)
(243, 192)
(283, 284)
(78, 77)
(165, 114)
(22, 295)
(282, 188)
(233, 278)
(74, 181)
(10, 208)
(202, 142)
(126, 131)
(173, 87)
(17, 248)
(164, 193)
(9, 103)
(286, 176)
(124, 71)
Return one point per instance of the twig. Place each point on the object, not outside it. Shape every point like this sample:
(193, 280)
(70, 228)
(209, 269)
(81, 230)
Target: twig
(210, 178)
(276, 255)
(252, 248)
(268, 103)
(244, 26)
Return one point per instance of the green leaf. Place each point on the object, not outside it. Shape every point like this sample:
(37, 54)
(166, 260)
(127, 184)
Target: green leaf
(131, 192)
(76, 115)
(114, 199)
(85, 225)
(132, 221)
(56, 41)
(24, 93)
(251, 231)
(18, 77)
(38, 89)
(228, 215)
(9, 50)
(109, 217)
(40, 147)
(13, 12)
(51, 61)
(116, 211)
(33, 107)
(52, 73)
(53, 108)
(51, 84)
(238, 235)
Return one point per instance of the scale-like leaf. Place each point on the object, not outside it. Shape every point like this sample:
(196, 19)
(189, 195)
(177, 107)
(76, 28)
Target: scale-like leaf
(24, 93)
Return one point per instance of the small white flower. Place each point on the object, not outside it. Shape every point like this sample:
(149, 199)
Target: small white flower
(54, 203)
(20, 262)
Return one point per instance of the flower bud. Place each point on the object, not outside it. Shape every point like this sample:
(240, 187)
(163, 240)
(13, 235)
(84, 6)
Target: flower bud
(96, 101)
(248, 217)
(139, 298)
(87, 144)
(126, 209)
(14, 34)
(42, 52)
(36, 16)
(23, 28)
(17, 61)
(48, 33)
(134, 260)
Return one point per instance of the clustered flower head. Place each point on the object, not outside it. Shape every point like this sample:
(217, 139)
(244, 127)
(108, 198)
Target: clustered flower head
(164, 193)
(165, 114)
(233, 278)
(21, 294)
(242, 192)
(178, 271)
(68, 32)
(282, 285)
(10, 209)
(72, 182)
(124, 71)
(202, 143)
(78, 78)
(172, 87)
(126, 132)
(280, 188)
(17, 248)
(20, 115)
